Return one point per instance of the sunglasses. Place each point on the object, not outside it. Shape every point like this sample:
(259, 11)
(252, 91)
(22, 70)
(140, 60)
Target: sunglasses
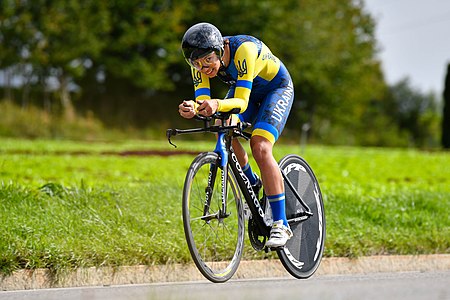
(205, 61)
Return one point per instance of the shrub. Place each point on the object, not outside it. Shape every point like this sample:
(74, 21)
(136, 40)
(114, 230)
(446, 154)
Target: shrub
(31, 122)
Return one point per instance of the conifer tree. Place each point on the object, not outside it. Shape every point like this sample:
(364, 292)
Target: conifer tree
(446, 114)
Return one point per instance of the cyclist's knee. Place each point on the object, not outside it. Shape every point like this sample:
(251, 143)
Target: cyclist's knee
(261, 148)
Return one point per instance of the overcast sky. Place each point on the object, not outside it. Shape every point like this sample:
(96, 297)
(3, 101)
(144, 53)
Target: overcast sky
(414, 39)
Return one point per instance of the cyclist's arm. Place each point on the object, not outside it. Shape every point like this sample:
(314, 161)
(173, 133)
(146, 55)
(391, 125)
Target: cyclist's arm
(201, 91)
(201, 85)
(244, 59)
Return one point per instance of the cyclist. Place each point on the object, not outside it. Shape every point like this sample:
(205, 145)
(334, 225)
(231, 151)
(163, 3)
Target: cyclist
(261, 87)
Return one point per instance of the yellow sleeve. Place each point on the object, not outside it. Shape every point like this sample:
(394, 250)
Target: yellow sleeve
(245, 60)
(201, 85)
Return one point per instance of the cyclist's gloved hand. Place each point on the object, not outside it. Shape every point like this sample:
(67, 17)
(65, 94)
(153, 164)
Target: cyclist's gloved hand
(188, 109)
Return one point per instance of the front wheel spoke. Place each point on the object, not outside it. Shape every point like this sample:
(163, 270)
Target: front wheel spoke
(213, 240)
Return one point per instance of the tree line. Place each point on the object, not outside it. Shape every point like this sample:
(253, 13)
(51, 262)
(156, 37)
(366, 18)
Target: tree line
(121, 61)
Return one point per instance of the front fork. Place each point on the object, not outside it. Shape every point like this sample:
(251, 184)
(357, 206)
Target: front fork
(221, 163)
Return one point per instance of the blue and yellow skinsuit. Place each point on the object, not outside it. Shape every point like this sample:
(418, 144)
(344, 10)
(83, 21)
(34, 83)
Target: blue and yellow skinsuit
(260, 86)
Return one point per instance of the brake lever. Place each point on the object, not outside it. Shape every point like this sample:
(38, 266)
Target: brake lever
(169, 134)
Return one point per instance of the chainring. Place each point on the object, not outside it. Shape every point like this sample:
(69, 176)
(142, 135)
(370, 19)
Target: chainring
(256, 238)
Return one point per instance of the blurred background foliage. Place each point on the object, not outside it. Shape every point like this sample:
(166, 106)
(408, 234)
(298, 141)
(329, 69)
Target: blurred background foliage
(96, 66)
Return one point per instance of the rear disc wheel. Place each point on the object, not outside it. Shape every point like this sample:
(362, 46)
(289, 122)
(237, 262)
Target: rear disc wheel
(303, 252)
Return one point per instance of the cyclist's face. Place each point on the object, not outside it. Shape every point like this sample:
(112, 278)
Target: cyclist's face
(208, 65)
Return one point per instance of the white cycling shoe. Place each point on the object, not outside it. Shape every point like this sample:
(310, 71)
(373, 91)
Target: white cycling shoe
(279, 235)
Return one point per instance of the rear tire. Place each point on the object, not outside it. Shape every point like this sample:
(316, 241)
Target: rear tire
(303, 252)
(215, 243)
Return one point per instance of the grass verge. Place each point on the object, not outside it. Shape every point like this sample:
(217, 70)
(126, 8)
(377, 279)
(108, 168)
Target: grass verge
(66, 204)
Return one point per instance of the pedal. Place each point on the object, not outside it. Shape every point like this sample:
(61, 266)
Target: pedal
(269, 249)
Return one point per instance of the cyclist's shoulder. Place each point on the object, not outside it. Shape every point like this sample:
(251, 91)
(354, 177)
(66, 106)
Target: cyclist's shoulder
(244, 44)
(237, 40)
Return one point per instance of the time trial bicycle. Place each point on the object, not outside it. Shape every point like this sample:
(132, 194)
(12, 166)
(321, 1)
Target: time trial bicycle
(213, 210)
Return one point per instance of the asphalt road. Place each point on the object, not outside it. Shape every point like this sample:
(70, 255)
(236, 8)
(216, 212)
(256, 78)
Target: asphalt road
(398, 286)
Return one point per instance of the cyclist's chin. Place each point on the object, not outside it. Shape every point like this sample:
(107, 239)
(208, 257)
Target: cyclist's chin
(211, 72)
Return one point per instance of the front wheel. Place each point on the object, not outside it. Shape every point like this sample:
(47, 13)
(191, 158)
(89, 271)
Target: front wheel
(215, 236)
(303, 252)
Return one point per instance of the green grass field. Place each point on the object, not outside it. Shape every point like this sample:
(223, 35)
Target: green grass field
(65, 205)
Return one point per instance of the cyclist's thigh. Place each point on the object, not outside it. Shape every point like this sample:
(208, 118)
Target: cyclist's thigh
(274, 111)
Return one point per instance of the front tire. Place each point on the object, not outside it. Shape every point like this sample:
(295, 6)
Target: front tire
(215, 240)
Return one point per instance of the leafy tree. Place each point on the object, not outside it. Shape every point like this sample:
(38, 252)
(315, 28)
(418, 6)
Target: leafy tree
(143, 41)
(70, 37)
(139, 64)
(15, 37)
(125, 58)
(328, 47)
(332, 48)
(57, 38)
(413, 111)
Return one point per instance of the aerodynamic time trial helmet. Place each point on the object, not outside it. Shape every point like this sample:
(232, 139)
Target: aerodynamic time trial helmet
(200, 40)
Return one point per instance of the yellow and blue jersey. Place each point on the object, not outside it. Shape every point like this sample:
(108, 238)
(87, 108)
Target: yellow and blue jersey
(260, 86)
